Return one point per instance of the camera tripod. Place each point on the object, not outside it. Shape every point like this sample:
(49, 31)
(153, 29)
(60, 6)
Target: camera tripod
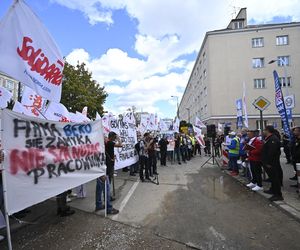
(212, 155)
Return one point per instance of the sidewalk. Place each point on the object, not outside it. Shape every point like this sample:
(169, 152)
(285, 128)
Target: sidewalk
(291, 202)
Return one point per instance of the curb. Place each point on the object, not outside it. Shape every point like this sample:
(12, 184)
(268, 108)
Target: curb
(282, 205)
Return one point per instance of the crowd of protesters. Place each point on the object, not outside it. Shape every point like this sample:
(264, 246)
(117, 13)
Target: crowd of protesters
(255, 153)
(248, 150)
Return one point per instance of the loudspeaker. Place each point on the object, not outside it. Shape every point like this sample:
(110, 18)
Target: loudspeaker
(211, 131)
(226, 130)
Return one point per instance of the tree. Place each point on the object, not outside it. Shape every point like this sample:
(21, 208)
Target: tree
(80, 90)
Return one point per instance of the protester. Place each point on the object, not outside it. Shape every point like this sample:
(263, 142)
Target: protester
(271, 162)
(110, 145)
(254, 149)
(144, 158)
(296, 150)
(234, 149)
(177, 147)
(286, 148)
(207, 150)
(151, 148)
(163, 146)
(189, 147)
(183, 147)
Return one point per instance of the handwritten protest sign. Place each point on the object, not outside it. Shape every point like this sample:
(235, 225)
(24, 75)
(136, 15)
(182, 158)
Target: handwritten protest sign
(45, 158)
(126, 155)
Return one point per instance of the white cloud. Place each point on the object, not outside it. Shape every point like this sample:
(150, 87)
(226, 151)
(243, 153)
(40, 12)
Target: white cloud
(167, 30)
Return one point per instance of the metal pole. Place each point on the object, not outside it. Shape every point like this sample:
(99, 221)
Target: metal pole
(5, 207)
(261, 122)
(177, 108)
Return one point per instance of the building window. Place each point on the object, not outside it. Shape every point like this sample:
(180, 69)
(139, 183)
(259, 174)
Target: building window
(204, 73)
(258, 124)
(205, 91)
(283, 83)
(204, 56)
(205, 108)
(10, 85)
(259, 83)
(238, 25)
(282, 40)
(283, 60)
(257, 42)
(258, 62)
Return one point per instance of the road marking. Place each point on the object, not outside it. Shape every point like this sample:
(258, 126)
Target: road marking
(126, 199)
(218, 235)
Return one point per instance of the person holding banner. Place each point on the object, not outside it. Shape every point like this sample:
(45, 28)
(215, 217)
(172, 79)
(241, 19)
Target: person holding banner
(144, 157)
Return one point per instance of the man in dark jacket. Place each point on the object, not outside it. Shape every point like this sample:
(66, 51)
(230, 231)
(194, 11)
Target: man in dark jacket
(296, 150)
(163, 146)
(271, 162)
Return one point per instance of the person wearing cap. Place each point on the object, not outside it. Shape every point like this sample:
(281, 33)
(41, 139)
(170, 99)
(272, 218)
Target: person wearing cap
(270, 157)
(254, 148)
(234, 149)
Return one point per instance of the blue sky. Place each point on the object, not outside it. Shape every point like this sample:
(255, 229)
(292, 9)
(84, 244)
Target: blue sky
(143, 51)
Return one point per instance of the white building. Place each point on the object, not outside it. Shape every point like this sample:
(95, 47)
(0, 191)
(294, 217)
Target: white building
(241, 53)
(10, 84)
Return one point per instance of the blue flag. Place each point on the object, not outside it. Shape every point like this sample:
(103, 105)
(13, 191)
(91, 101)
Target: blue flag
(279, 101)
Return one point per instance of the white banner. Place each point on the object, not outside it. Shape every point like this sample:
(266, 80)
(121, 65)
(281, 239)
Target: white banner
(176, 125)
(44, 158)
(199, 123)
(57, 112)
(199, 136)
(28, 52)
(126, 155)
(33, 103)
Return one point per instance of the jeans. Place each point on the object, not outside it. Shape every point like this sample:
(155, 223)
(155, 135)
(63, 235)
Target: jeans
(233, 163)
(177, 153)
(100, 189)
(163, 157)
(144, 165)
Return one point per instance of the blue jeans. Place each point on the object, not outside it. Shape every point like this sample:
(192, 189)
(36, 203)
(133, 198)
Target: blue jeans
(233, 163)
(177, 153)
(100, 188)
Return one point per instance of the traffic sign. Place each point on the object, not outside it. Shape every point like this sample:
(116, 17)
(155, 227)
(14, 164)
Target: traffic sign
(261, 103)
(289, 101)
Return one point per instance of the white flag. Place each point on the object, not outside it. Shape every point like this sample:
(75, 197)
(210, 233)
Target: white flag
(176, 125)
(33, 103)
(145, 119)
(129, 118)
(5, 96)
(199, 123)
(82, 117)
(220, 127)
(199, 136)
(163, 126)
(98, 117)
(85, 111)
(57, 112)
(18, 107)
(28, 52)
(246, 123)
(152, 125)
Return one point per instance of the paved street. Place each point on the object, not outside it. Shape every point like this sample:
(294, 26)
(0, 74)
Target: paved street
(192, 207)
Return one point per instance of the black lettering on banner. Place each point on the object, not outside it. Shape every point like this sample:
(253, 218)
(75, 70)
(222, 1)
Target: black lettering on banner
(62, 167)
(77, 166)
(51, 141)
(37, 172)
(18, 126)
(51, 170)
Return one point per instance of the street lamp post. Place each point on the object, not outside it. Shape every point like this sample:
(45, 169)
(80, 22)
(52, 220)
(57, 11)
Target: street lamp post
(177, 98)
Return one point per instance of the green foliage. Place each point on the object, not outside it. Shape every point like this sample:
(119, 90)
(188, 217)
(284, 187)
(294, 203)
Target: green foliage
(80, 90)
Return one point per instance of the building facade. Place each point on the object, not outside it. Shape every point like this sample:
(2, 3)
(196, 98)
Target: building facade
(11, 84)
(241, 54)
